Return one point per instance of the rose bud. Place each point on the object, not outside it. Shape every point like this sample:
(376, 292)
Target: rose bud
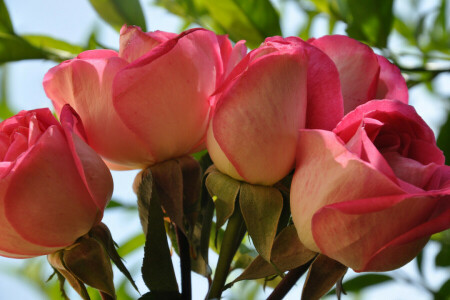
(149, 102)
(277, 89)
(372, 192)
(364, 75)
(53, 186)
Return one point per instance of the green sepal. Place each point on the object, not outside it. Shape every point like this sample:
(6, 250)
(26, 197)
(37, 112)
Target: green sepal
(287, 253)
(323, 274)
(85, 262)
(224, 191)
(102, 234)
(261, 208)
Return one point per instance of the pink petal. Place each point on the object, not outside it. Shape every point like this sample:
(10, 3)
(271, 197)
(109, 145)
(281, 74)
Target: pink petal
(134, 42)
(96, 54)
(362, 146)
(170, 109)
(357, 65)
(391, 84)
(4, 145)
(328, 173)
(257, 119)
(87, 86)
(373, 231)
(19, 144)
(55, 208)
(91, 168)
(237, 54)
(414, 240)
(325, 105)
(403, 117)
(411, 170)
(426, 152)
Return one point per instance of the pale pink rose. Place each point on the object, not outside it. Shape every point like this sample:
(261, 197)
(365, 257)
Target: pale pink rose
(277, 89)
(370, 193)
(364, 75)
(53, 186)
(149, 102)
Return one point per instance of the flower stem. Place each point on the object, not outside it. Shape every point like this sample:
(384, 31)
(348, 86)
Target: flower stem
(288, 282)
(234, 233)
(185, 265)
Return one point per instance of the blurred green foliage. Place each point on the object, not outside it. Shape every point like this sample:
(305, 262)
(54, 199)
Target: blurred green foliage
(424, 58)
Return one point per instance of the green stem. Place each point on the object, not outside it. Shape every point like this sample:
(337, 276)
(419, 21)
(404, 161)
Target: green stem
(185, 264)
(288, 282)
(234, 233)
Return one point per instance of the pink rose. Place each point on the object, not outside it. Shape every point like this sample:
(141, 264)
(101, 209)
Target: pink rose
(277, 89)
(370, 193)
(149, 102)
(364, 75)
(53, 186)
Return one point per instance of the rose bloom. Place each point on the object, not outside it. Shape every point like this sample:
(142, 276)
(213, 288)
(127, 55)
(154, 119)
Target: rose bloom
(53, 186)
(285, 85)
(370, 193)
(150, 101)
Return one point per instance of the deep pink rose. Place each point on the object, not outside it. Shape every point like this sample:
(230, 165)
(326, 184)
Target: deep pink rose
(149, 102)
(364, 75)
(277, 89)
(53, 186)
(370, 193)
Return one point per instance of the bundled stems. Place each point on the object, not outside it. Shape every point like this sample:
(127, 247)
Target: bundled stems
(234, 233)
(185, 265)
(288, 282)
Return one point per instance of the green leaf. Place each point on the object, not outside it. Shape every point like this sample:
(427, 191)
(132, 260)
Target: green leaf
(261, 208)
(443, 140)
(117, 204)
(360, 282)
(443, 257)
(370, 21)
(5, 21)
(250, 20)
(134, 243)
(157, 268)
(419, 262)
(118, 12)
(5, 111)
(57, 47)
(158, 295)
(444, 292)
(13, 48)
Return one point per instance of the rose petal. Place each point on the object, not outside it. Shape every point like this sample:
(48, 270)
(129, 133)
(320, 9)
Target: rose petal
(391, 84)
(19, 144)
(257, 119)
(357, 235)
(346, 178)
(61, 224)
(411, 170)
(91, 168)
(399, 115)
(134, 42)
(87, 86)
(325, 104)
(362, 146)
(412, 241)
(170, 108)
(357, 65)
